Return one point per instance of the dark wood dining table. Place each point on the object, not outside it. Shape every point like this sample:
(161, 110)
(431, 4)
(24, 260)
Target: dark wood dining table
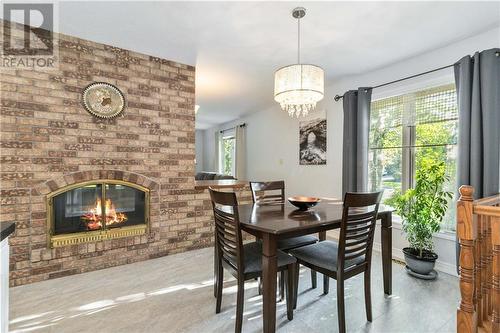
(278, 221)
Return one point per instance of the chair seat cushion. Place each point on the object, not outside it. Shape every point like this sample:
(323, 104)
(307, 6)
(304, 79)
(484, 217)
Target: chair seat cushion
(253, 258)
(323, 254)
(295, 242)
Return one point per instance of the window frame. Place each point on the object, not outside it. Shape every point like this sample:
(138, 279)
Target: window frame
(409, 133)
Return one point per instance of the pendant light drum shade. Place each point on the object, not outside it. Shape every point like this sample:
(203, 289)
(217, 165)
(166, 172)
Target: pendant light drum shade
(298, 88)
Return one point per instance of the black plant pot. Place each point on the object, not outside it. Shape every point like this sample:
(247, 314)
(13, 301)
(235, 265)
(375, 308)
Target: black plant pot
(421, 266)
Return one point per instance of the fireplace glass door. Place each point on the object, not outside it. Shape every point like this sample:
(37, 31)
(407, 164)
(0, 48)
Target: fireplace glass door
(124, 206)
(77, 210)
(98, 206)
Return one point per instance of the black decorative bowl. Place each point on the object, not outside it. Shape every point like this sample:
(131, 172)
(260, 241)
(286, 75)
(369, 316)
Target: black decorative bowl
(303, 203)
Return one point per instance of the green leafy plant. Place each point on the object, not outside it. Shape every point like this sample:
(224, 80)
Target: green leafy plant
(228, 146)
(423, 207)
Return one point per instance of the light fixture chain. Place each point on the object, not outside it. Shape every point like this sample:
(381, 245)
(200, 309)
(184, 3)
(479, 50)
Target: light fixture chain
(298, 50)
(298, 40)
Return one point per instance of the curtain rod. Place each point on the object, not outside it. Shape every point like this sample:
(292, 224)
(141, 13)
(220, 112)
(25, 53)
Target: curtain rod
(228, 129)
(338, 97)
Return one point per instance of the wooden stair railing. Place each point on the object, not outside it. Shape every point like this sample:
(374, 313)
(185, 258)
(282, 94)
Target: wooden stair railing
(478, 231)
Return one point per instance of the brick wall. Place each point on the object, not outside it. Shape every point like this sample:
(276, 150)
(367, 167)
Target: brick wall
(48, 140)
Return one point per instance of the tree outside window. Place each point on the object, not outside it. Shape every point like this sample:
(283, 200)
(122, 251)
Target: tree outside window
(228, 148)
(406, 129)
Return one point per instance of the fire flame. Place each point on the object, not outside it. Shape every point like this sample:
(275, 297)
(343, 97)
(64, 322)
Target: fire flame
(94, 216)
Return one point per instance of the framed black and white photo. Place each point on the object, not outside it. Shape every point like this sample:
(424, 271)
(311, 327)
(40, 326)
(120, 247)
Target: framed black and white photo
(312, 141)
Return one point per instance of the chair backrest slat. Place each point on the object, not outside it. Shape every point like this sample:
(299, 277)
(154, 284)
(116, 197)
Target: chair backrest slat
(224, 214)
(229, 236)
(356, 242)
(359, 217)
(357, 229)
(352, 249)
(356, 255)
(358, 222)
(268, 197)
(228, 239)
(358, 235)
(224, 217)
(268, 192)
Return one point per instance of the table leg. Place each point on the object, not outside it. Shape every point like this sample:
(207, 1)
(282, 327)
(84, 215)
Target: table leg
(326, 281)
(269, 271)
(386, 219)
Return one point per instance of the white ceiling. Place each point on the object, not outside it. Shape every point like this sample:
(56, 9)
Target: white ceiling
(236, 46)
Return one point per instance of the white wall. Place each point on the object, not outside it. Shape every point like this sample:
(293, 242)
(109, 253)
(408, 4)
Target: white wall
(199, 142)
(272, 141)
(272, 137)
(209, 149)
(4, 285)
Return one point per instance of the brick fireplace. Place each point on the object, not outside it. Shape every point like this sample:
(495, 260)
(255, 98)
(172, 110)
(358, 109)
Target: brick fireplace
(50, 142)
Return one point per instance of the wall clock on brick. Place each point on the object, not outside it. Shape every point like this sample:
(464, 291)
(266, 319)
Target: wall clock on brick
(103, 100)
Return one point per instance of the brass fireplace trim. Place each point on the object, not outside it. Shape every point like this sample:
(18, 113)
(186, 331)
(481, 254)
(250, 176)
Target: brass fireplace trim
(96, 235)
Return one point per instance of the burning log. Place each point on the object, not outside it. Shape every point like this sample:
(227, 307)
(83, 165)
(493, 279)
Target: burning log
(93, 218)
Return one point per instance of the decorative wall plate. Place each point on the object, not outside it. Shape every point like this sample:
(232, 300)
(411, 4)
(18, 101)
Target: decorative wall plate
(103, 100)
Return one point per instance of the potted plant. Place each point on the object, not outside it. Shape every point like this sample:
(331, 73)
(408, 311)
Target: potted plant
(422, 209)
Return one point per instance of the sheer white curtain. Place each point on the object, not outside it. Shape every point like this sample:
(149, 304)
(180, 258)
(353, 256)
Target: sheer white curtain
(217, 153)
(240, 153)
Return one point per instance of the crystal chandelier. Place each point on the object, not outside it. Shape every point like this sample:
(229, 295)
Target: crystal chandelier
(299, 87)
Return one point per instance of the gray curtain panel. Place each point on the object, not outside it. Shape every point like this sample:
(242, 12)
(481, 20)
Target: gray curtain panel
(478, 91)
(356, 135)
(478, 88)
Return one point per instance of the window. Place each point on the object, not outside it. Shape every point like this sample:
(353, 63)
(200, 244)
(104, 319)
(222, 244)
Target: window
(406, 129)
(228, 148)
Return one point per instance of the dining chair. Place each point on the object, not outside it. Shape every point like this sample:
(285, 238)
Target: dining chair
(273, 192)
(351, 255)
(243, 261)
